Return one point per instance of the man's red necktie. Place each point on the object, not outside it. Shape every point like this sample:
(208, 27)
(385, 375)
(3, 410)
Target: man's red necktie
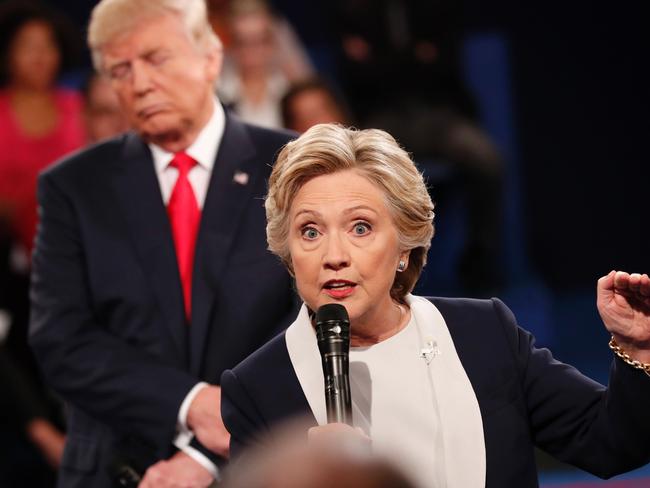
(184, 215)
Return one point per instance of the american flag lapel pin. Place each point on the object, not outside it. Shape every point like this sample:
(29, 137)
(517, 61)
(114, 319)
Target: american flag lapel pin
(240, 178)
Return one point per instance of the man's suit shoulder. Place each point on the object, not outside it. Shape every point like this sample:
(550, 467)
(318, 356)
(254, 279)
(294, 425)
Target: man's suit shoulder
(89, 161)
(272, 136)
(273, 139)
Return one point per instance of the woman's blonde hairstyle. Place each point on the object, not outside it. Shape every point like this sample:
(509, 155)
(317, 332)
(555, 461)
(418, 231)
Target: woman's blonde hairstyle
(110, 18)
(329, 148)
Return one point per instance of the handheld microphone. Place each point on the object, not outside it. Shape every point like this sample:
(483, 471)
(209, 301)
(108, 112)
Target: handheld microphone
(333, 334)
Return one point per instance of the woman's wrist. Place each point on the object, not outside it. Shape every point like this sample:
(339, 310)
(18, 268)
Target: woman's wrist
(637, 358)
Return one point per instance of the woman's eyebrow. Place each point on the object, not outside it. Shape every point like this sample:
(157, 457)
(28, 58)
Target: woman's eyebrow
(308, 212)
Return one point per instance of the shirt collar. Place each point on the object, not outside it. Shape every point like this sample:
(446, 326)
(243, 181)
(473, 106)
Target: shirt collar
(204, 148)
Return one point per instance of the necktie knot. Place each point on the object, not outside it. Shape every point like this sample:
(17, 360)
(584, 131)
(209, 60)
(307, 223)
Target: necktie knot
(182, 162)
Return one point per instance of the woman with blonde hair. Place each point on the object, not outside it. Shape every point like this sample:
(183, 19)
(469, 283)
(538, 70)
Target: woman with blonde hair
(453, 390)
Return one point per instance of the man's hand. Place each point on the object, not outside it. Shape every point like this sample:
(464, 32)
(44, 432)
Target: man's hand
(204, 419)
(48, 439)
(179, 471)
(624, 306)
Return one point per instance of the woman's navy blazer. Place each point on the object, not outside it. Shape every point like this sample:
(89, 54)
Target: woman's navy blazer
(526, 399)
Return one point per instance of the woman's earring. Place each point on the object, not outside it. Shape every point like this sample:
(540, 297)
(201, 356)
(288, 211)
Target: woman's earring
(401, 266)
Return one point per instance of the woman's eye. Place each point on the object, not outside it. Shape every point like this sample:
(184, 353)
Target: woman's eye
(309, 233)
(361, 228)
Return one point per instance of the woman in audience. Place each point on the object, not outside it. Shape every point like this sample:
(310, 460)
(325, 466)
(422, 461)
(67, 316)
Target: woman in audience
(263, 58)
(39, 122)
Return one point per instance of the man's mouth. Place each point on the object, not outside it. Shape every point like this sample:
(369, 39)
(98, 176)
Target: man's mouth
(150, 110)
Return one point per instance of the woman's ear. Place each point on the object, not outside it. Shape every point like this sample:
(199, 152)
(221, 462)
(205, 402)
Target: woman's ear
(403, 260)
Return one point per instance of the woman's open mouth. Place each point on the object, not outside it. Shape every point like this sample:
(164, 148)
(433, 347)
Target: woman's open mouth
(339, 288)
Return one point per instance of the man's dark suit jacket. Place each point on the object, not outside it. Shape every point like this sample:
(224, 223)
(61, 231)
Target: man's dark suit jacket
(526, 399)
(107, 319)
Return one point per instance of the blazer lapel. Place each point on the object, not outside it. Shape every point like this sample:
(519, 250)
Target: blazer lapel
(138, 194)
(302, 348)
(233, 179)
(457, 406)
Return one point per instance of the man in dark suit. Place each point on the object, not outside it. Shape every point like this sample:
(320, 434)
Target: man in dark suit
(150, 271)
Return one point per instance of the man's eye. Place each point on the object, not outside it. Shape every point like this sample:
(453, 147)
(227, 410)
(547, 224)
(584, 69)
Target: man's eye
(158, 58)
(309, 233)
(361, 228)
(119, 72)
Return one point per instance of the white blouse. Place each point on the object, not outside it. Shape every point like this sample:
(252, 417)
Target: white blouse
(392, 395)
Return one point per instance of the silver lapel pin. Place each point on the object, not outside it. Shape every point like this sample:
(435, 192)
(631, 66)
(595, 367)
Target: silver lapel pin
(429, 351)
(240, 178)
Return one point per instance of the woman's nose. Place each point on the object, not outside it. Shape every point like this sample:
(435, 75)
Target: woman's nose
(337, 254)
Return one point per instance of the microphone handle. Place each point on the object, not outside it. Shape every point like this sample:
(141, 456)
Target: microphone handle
(338, 401)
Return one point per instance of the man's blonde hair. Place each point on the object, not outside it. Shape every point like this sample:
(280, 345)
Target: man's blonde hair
(328, 148)
(111, 18)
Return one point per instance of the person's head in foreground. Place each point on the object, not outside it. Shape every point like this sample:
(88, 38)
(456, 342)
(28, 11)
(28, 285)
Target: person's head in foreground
(163, 60)
(291, 462)
(349, 214)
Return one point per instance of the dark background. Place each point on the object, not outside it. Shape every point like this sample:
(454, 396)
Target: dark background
(579, 93)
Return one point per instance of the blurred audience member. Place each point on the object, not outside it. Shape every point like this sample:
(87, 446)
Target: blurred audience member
(290, 462)
(102, 112)
(29, 418)
(393, 53)
(38, 121)
(312, 102)
(399, 64)
(263, 60)
(219, 15)
(36, 442)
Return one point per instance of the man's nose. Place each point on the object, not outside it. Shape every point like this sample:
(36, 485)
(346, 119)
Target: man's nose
(337, 253)
(141, 77)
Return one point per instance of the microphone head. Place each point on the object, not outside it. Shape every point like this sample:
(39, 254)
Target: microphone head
(332, 323)
(332, 312)
(333, 335)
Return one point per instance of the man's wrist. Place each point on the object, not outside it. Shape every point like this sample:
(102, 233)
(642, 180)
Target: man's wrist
(203, 460)
(185, 407)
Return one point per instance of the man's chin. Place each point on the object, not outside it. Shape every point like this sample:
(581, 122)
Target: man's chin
(160, 134)
(170, 133)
